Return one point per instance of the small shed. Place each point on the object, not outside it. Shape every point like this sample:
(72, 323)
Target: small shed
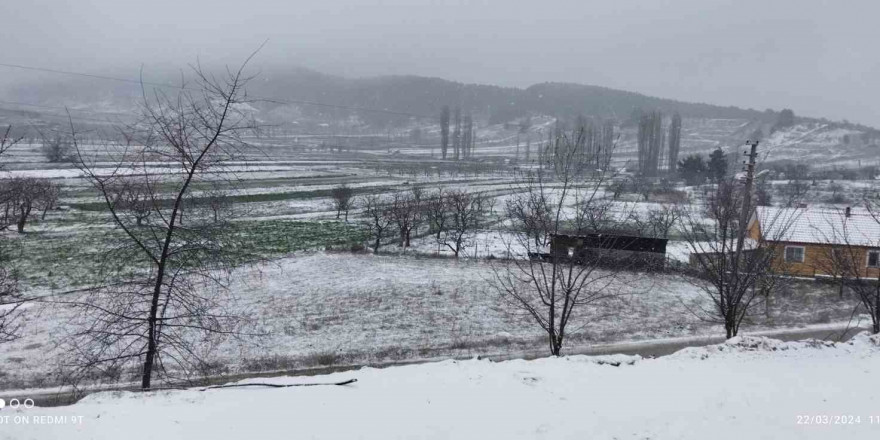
(610, 249)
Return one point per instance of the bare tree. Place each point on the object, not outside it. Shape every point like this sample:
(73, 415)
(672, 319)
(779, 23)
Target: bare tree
(342, 196)
(456, 135)
(643, 186)
(23, 197)
(732, 269)
(10, 299)
(444, 131)
(218, 202)
(853, 258)
(174, 303)
(56, 148)
(794, 192)
(530, 212)
(378, 218)
(763, 197)
(465, 212)
(133, 197)
(557, 290)
(435, 212)
(798, 186)
(406, 212)
(657, 222)
(7, 140)
(601, 215)
(854, 267)
(674, 142)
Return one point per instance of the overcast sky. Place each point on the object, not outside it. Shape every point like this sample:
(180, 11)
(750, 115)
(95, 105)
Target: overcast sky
(818, 57)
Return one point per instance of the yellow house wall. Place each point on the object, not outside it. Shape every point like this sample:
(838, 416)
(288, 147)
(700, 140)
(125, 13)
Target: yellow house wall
(817, 261)
(754, 231)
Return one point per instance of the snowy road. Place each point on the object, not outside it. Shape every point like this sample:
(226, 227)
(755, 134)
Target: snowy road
(744, 388)
(645, 349)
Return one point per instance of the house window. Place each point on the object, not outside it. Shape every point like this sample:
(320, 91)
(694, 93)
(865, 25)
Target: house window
(873, 258)
(794, 254)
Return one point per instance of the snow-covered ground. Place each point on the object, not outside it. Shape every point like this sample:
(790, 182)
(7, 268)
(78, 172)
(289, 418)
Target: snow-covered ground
(324, 308)
(742, 389)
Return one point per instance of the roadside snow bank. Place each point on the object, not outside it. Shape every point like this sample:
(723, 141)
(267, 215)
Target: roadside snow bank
(745, 388)
(743, 345)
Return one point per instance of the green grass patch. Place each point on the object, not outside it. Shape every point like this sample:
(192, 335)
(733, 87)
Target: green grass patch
(93, 255)
(279, 237)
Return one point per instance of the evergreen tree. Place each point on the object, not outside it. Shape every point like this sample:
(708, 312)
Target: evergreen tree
(717, 165)
(783, 120)
(692, 169)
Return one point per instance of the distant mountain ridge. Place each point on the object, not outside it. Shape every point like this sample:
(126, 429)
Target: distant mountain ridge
(426, 95)
(409, 94)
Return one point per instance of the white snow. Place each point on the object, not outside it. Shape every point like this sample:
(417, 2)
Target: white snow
(746, 388)
(819, 226)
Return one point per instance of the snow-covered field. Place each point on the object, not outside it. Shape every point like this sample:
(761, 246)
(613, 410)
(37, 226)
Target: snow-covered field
(742, 389)
(323, 308)
(339, 309)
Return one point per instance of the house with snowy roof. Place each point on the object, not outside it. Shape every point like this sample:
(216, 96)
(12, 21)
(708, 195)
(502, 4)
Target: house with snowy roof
(811, 241)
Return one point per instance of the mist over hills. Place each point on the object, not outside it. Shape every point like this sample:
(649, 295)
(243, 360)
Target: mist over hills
(403, 94)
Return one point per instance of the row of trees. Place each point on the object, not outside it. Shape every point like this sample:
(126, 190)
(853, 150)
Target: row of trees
(651, 142)
(451, 217)
(589, 144)
(21, 200)
(9, 291)
(24, 198)
(598, 140)
(463, 135)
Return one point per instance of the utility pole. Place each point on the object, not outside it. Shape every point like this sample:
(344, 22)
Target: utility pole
(747, 194)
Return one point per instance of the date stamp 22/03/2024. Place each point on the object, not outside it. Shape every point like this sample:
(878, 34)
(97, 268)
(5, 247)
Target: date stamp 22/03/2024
(837, 419)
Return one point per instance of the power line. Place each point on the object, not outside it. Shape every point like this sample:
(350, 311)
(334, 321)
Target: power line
(57, 116)
(66, 118)
(57, 107)
(178, 87)
(87, 75)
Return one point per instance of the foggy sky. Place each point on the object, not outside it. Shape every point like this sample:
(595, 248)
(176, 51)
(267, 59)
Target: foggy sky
(818, 57)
